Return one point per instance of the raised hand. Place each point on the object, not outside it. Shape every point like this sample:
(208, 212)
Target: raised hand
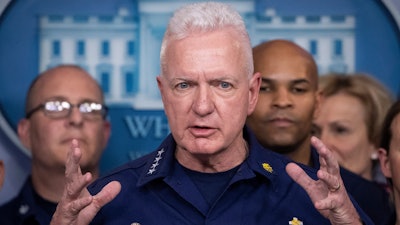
(77, 205)
(327, 193)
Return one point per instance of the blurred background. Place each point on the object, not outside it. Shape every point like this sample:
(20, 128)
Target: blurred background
(118, 43)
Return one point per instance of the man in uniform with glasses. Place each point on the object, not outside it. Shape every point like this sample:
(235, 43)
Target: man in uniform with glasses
(62, 104)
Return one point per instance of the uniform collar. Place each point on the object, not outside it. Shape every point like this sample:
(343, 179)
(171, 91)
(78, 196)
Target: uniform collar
(28, 209)
(259, 162)
(159, 162)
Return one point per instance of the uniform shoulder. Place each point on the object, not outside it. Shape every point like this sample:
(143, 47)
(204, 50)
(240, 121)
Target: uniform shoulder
(128, 171)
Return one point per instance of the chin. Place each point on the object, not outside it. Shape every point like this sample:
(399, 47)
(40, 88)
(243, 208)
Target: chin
(281, 145)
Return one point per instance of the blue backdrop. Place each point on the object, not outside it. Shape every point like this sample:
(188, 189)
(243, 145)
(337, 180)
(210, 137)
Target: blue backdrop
(342, 35)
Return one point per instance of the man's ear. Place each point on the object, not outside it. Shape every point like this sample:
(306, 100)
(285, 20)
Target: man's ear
(384, 162)
(24, 127)
(255, 84)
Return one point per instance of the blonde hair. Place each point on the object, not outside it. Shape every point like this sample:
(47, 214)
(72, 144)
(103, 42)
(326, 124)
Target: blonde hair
(373, 95)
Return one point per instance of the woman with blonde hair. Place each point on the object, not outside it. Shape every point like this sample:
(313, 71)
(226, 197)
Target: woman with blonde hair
(350, 119)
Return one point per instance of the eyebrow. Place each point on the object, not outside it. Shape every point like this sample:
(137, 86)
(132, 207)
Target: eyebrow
(295, 81)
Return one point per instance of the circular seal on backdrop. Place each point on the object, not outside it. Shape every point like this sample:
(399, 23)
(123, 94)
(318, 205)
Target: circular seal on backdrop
(118, 43)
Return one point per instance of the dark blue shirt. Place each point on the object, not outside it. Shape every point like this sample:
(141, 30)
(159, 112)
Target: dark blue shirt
(27, 208)
(156, 190)
(210, 185)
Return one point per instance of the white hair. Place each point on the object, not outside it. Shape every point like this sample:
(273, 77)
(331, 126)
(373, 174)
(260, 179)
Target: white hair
(205, 17)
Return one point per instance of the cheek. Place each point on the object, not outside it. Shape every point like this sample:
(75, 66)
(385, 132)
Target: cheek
(44, 133)
(306, 105)
(97, 138)
(262, 107)
(45, 144)
(257, 114)
(343, 146)
(175, 105)
(263, 99)
(394, 170)
(354, 149)
(361, 144)
(239, 104)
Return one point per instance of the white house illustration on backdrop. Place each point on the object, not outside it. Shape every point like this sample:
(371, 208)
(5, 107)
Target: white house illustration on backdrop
(122, 51)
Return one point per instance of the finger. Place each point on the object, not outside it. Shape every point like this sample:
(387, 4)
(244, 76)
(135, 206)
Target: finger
(75, 181)
(67, 213)
(299, 176)
(330, 174)
(327, 159)
(107, 193)
(76, 206)
(325, 204)
(72, 163)
(77, 188)
(333, 182)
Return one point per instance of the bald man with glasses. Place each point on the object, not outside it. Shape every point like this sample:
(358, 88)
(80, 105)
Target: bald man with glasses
(62, 104)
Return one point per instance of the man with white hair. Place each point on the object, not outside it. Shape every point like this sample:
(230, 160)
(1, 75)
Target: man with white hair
(210, 169)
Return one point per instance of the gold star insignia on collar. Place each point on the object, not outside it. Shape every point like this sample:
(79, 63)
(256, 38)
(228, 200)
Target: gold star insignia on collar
(267, 167)
(295, 221)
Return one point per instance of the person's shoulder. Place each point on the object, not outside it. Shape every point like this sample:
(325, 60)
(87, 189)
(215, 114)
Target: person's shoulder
(135, 164)
(272, 165)
(260, 154)
(164, 152)
(11, 205)
(154, 165)
(128, 169)
(369, 195)
(354, 182)
(13, 210)
(364, 190)
(24, 195)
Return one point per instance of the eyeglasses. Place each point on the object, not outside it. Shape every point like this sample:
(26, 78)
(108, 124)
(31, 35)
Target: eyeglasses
(57, 109)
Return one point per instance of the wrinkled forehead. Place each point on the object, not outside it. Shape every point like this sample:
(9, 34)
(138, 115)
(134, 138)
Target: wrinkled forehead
(209, 50)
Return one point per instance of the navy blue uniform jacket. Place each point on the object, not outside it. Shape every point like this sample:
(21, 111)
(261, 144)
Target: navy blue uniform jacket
(155, 190)
(27, 208)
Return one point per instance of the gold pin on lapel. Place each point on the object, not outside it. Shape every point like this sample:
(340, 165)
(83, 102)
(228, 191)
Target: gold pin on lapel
(295, 221)
(267, 167)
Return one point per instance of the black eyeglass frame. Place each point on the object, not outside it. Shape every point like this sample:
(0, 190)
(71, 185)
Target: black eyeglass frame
(104, 108)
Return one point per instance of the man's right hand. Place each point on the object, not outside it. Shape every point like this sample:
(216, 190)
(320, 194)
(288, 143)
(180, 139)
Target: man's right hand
(77, 205)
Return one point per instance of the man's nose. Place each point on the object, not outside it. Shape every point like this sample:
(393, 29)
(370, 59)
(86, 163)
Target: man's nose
(282, 98)
(75, 116)
(204, 101)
